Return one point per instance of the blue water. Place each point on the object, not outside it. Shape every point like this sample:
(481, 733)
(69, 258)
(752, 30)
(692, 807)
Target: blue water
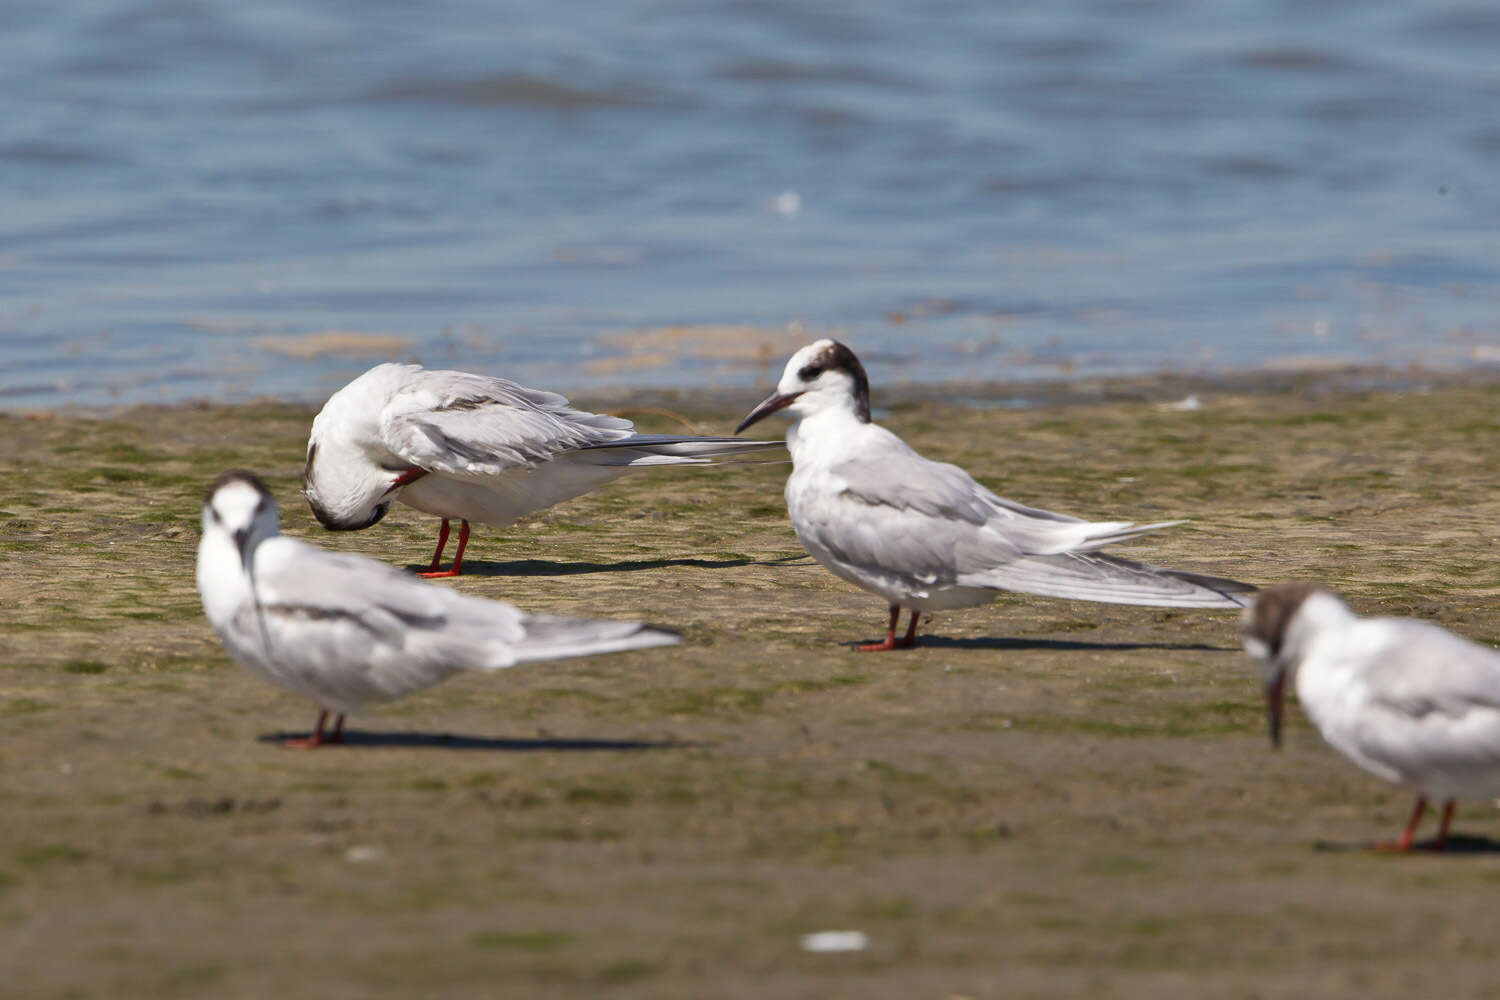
(958, 189)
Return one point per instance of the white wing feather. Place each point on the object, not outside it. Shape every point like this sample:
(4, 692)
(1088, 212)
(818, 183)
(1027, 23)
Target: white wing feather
(476, 426)
(890, 512)
(1432, 703)
(347, 630)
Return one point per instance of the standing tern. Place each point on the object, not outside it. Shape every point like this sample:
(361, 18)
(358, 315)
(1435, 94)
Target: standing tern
(1405, 700)
(472, 448)
(345, 630)
(923, 534)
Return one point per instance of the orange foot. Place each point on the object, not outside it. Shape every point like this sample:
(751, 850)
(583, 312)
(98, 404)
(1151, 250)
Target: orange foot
(317, 737)
(890, 641)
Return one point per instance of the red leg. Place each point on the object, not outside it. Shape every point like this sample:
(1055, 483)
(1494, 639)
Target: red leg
(338, 730)
(463, 543)
(1442, 838)
(458, 555)
(890, 635)
(316, 739)
(437, 557)
(911, 631)
(1410, 833)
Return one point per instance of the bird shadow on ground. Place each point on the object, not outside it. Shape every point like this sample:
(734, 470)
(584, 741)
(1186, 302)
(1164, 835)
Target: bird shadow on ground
(1458, 844)
(543, 567)
(1061, 645)
(359, 738)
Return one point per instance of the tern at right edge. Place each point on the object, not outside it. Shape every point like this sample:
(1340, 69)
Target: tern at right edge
(924, 535)
(1406, 700)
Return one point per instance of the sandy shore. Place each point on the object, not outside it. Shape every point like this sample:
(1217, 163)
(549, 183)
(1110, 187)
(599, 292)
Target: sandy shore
(1044, 798)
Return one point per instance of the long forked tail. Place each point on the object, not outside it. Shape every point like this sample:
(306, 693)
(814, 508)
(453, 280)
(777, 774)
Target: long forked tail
(1092, 576)
(551, 637)
(1121, 531)
(669, 449)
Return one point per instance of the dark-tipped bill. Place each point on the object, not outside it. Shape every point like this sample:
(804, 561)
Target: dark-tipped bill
(241, 541)
(1275, 698)
(775, 401)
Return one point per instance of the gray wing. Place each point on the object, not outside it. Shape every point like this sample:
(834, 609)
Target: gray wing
(1423, 668)
(897, 478)
(352, 630)
(476, 426)
(308, 582)
(358, 630)
(1433, 700)
(931, 521)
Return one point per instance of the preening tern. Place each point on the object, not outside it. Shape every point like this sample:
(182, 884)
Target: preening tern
(472, 448)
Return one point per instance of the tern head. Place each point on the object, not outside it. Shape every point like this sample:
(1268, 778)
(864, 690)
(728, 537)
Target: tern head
(239, 506)
(1274, 630)
(346, 495)
(351, 479)
(824, 375)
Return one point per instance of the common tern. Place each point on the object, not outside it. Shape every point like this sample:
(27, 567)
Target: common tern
(1405, 700)
(471, 448)
(923, 534)
(347, 631)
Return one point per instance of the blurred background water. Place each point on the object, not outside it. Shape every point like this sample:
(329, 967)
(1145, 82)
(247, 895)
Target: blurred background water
(217, 199)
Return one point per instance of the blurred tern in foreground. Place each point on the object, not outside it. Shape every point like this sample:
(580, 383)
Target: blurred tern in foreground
(1403, 699)
(345, 630)
(471, 448)
(924, 535)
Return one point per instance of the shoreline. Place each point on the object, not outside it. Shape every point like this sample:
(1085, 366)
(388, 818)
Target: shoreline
(1162, 387)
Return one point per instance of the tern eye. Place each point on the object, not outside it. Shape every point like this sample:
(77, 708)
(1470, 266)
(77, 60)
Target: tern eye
(810, 372)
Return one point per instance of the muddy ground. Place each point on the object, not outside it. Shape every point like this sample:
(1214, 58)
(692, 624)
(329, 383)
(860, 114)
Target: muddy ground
(1043, 799)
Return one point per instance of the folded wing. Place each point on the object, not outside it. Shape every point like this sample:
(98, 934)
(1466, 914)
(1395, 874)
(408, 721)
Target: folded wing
(475, 426)
(1433, 702)
(357, 630)
(895, 511)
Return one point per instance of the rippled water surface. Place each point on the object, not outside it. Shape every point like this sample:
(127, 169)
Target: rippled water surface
(222, 200)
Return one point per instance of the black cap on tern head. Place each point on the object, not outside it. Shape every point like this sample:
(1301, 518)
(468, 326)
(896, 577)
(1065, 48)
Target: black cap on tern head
(837, 357)
(812, 361)
(240, 532)
(236, 476)
(1265, 624)
(1271, 615)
